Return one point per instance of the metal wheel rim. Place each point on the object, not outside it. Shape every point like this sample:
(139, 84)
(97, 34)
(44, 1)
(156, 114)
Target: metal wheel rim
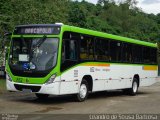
(135, 87)
(83, 91)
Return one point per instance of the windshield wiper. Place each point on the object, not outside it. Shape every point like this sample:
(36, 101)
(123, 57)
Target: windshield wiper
(37, 45)
(40, 42)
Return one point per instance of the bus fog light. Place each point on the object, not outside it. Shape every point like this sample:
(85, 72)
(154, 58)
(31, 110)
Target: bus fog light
(51, 79)
(8, 77)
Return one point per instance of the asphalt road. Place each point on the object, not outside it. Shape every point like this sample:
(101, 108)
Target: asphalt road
(147, 102)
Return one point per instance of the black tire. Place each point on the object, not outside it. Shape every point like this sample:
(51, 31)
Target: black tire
(133, 91)
(42, 96)
(80, 97)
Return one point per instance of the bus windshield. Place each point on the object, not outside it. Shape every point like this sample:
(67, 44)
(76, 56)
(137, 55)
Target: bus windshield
(33, 54)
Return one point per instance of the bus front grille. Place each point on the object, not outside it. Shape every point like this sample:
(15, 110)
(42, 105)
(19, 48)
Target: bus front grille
(32, 88)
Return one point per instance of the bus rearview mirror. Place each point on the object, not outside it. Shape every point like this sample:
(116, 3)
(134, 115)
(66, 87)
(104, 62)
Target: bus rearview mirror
(8, 34)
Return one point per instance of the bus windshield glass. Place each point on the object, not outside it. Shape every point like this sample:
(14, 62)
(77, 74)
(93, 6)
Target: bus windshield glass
(33, 54)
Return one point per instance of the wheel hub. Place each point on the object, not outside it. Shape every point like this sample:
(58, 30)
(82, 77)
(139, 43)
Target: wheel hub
(83, 91)
(135, 86)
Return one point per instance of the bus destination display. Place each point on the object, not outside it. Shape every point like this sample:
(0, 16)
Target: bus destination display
(37, 30)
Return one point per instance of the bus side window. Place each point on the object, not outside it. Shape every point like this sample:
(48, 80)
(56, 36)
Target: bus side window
(102, 49)
(153, 55)
(127, 54)
(69, 50)
(87, 48)
(137, 54)
(115, 50)
(63, 53)
(146, 54)
(72, 50)
(69, 54)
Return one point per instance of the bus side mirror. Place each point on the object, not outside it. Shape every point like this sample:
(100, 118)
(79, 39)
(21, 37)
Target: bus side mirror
(7, 34)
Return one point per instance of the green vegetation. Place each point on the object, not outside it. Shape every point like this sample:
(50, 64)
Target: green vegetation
(2, 85)
(124, 19)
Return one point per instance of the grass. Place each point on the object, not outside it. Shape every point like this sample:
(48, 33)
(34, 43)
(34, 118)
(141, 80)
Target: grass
(2, 85)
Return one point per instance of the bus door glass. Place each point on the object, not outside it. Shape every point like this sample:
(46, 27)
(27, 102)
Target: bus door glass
(69, 53)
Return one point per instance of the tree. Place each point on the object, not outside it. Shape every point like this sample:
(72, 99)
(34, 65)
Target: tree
(76, 15)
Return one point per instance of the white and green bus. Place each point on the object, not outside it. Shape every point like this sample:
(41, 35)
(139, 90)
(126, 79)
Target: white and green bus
(57, 59)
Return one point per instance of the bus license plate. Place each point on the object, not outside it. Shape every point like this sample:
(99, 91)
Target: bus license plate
(27, 90)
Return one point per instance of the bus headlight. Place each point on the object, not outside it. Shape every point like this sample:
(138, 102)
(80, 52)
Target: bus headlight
(51, 79)
(8, 77)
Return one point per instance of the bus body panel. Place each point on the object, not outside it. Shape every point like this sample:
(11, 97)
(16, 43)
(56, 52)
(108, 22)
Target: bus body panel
(110, 77)
(69, 82)
(104, 78)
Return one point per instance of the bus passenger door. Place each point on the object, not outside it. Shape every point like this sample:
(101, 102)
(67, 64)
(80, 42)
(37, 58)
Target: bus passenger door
(69, 59)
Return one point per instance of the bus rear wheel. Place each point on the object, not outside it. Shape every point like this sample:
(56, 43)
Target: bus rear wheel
(83, 91)
(134, 89)
(42, 96)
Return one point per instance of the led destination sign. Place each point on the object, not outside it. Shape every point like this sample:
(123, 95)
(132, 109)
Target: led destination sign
(37, 30)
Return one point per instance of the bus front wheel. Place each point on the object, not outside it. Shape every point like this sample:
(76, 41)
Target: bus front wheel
(42, 96)
(83, 91)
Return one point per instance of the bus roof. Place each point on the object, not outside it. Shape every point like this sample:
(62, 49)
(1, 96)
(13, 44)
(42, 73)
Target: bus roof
(106, 35)
(92, 32)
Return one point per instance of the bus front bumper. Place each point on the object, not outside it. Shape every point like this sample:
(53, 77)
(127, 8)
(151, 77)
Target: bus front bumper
(51, 89)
